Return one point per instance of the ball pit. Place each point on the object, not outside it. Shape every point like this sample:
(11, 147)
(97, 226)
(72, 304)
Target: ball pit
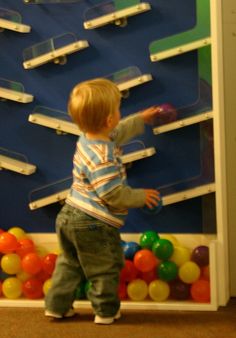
(157, 268)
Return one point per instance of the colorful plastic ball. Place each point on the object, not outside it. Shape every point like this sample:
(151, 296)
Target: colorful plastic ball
(147, 239)
(46, 286)
(87, 286)
(200, 255)
(12, 288)
(49, 262)
(31, 263)
(137, 290)
(167, 114)
(26, 246)
(23, 276)
(122, 243)
(180, 255)
(129, 272)
(189, 272)
(205, 272)
(200, 291)
(163, 248)
(41, 250)
(158, 290)
(179, 290)
(32, 289)
(130, 249)
(18, 232)
(167, 271)
(42, 275)
(144, 260)
(11, 263)
(8, 243)
(148, 276)
(122, 291)
(0, 288)
(1, 231)
(154, 210)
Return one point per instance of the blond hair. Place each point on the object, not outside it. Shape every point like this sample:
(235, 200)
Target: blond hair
(91, 102)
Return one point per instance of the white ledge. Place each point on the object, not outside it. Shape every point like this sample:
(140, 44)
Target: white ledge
(180, 49)
(55, 54)
(183, 122)
(54, 123)
(117, 15)
(13, 95)
(16, 165)
(14, 26)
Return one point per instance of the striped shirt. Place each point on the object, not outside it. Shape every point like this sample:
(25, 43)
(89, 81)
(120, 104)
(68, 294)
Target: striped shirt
(98, 172)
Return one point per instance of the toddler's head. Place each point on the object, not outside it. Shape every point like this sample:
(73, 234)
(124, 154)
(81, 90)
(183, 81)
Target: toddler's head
(91, 102)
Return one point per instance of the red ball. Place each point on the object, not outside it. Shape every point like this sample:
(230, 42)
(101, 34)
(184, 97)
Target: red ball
(122, 291)
(26, 246)
(129, 272)
(8, 242)
(148, 276)
(200, 291)
(31, 263)
(49, 262)
(145, 260)
(33, 289)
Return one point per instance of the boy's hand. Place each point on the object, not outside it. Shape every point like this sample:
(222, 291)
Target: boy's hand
(152, 197)
(148, 115)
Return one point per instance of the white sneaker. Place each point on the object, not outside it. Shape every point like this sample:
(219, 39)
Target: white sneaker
(68, 314)
(106, 320)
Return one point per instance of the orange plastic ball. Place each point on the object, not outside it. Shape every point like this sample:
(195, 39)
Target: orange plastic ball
(200, 291)
(8, 243)
(145, 260)
(31, 263)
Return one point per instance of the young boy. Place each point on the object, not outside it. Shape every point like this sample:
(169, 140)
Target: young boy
(96, 207)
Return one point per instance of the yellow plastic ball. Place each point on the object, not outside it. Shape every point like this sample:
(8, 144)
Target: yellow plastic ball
(19, 233)
(189, 272)
(137, 290)
(11, 263)
(41, 250)
(12, 288)
(47, 285)
(158, 290)
(180, 255)
(23, 276)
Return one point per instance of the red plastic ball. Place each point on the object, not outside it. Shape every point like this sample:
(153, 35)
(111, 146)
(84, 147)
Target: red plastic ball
(31, 263)
(145, 260)
(49, 262)
(122, 291)
(200, 291)
(129, 272)
(8, 243)
(26, 246)
(33, 289)
(148, 276)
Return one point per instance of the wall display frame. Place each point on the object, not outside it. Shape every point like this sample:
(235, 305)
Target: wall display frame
(180, 62)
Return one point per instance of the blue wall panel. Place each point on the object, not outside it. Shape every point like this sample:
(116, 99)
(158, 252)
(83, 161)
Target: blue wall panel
(111, 49)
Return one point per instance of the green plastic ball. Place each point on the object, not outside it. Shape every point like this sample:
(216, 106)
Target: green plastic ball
(162, 248)
(147, 239)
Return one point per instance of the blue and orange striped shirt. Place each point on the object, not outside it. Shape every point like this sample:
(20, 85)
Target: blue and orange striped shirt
(99, 185)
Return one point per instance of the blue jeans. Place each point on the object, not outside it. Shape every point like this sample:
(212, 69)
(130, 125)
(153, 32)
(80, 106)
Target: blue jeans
(91, 250)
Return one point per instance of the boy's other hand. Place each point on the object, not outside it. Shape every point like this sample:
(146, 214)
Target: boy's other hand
(152, 197)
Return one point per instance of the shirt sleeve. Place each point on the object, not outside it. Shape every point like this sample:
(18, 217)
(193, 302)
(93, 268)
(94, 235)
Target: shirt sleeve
(128, 128)
(110, 186)
(125, 197)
